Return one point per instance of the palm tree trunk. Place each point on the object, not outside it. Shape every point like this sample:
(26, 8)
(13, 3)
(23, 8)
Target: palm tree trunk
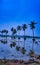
(18, 42)
(6, 36)
(2, 35)
(18, 38)
(33, 40)
(12, 36)
(24, 40)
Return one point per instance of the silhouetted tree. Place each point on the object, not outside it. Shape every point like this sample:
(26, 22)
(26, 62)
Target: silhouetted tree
(12, 32)
(2, 32)
(17, 48)
(32, 26)
(23, 50)
(24, 27)
(6, 34)
(4, 41)
(31, 54)
(12, 29)
(14, 37)
(18, 29)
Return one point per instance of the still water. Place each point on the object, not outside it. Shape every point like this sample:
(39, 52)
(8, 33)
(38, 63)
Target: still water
(10, 53)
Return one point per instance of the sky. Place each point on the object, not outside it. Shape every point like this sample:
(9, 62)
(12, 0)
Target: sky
(18, 12)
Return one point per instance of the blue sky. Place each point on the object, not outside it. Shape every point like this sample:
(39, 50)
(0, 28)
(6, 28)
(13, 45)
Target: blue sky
(14, 12)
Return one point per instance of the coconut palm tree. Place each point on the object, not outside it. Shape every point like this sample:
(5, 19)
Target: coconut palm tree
(18, 29)
(4, 31)
(12, 32)
(24, 27)
(31, 54)
(0, 31)
(2, 34)
(11, 45)
(14, 37)
(23, 50)
(32, 26)
(12, 29)
(6, 34)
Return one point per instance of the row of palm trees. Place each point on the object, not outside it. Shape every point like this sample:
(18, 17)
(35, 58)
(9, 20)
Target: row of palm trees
(24, 27)
(19, 28)
(6, 32)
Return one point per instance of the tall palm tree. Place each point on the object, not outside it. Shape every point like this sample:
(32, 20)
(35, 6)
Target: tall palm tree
(32, 26)
(6, 34)
(24, 27)
(14, 37)
(18, 29)
(5, 31)
(0, 31)
(23, 50)
(1, 34)
(12, 32)
(12, 29)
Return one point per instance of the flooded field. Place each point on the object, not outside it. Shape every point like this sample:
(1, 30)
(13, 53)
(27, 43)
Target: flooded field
(6, 52)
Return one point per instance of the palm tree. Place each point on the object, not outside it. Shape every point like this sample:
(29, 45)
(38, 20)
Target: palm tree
(18, 29)
(24, 27)
(31, 54)
(2, 32)
(6, 34)
(23, 50)
(11, 45)
(12, 29)
(14, 37)
(32, 26)
(12, 32)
